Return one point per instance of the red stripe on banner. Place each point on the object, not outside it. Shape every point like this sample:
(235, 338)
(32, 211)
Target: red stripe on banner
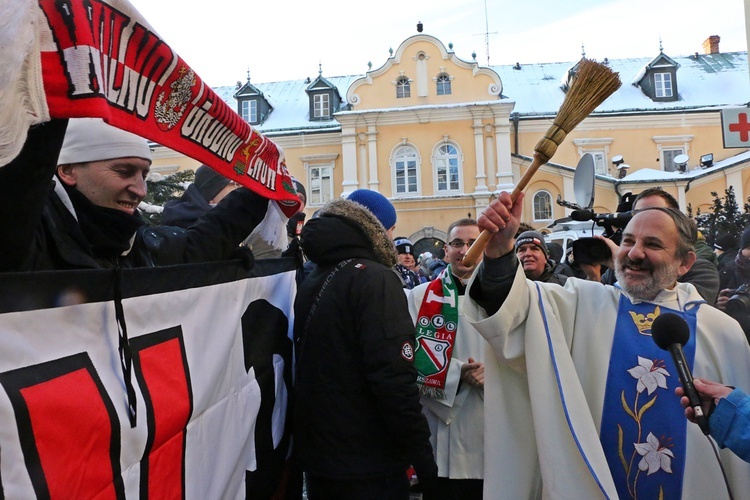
(74, 446)
(163, 370)
(107, 63)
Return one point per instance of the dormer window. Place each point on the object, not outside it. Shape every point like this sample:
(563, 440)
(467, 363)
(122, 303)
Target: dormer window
(663, 85)
(249, 111)
(403, 87)
(658, 79)
(324, 99)
(321, 106)
(443, 84)
(252, 105)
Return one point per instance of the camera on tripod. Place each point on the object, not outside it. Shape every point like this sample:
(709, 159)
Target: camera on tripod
(739, 301)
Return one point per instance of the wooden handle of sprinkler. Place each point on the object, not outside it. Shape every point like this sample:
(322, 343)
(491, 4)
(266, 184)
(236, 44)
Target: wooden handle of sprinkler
(472, 255)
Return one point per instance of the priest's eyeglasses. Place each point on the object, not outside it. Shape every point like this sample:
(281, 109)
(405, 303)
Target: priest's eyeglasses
(458, 244)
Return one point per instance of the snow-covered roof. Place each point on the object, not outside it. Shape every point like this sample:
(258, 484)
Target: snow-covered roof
(703, 81)
(291, 105)
(708, 80)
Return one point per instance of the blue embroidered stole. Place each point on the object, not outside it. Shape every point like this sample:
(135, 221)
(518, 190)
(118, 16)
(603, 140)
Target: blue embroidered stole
(643, 429)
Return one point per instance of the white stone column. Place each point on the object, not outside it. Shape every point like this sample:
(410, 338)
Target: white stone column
(481, 175)
(361, 159)
(349, 159)
(505, 180)
(735, 179)
(489, 148)
(372, 146)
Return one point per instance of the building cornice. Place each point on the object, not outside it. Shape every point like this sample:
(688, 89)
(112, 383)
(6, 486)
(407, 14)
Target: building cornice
(495, 110)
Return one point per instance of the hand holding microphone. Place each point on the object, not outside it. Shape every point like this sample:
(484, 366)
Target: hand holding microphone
(671, 332)
(709, 392)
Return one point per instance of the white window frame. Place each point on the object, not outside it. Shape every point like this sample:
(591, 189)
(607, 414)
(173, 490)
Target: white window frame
(538, 194)
(663, 85)
(403, 87)
(321, 106)
(598, 147)
(440, 160)
(319, 183)
(443, 82)
(675, 145)
(409, 154)
(667, 156)
(249, 109)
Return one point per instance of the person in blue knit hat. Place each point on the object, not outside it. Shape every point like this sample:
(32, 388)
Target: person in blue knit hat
(380, 207)
(358, 423)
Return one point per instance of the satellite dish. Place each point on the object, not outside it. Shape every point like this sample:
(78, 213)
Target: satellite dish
(681, 159)
(681, 162)
(583, 181)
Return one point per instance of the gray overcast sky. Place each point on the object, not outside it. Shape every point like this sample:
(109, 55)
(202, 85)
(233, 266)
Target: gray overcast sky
(286, 39)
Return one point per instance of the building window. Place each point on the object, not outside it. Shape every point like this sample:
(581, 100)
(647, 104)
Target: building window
(320, 185)
(670, 146)
(443, 84)
(249, 110)
(403, 87)
(405, 162)
(447, 162)
(668, 156)
(598, 147)
(321, 105)
(542, 206)
(600, 163)
(663, 84)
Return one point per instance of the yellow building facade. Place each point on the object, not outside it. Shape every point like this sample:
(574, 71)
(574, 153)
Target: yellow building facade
(439, 135)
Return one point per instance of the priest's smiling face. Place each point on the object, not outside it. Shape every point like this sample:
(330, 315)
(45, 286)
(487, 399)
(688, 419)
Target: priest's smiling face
(652, 255)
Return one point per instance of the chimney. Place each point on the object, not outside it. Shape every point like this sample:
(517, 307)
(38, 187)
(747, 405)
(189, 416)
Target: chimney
(711, 45)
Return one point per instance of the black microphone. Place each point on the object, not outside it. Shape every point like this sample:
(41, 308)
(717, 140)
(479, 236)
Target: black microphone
(619, 219)
(582, 215)
(671, 332)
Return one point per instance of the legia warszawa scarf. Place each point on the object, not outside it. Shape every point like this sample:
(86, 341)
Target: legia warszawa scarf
(436, 334)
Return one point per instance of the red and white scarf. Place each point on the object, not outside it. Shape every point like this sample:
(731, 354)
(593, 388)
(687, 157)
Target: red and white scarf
(100, 58)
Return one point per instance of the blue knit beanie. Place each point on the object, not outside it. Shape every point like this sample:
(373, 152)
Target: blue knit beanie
(376, 203)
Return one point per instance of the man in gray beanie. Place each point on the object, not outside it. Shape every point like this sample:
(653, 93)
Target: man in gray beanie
(533, 255)
(70, 201)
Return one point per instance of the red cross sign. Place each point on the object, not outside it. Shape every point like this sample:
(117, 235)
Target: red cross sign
(735, 124)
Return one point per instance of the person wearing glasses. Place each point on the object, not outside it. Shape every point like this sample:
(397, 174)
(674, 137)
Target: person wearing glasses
(450, 363)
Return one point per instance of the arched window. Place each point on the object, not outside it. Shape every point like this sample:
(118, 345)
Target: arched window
(443, 84)
(542, 206)
(403, 87)
(447, 161)
(406, 170)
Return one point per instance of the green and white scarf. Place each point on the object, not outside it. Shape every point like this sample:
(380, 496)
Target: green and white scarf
(437, 323)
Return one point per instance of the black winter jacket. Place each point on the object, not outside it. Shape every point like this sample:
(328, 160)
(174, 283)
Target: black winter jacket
(39, 231)
(357, 413)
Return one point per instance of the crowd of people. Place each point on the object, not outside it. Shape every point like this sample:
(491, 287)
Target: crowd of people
(519, 376)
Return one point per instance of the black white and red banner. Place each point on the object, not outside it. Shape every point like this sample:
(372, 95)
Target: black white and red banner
(211, 370)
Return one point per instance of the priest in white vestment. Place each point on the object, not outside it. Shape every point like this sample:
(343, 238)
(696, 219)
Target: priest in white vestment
(579, 402)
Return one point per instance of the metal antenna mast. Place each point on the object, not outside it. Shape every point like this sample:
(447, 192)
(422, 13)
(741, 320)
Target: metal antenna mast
(487, 33)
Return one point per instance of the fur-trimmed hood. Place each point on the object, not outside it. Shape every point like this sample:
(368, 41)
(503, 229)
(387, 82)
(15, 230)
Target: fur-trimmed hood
(346, 229)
